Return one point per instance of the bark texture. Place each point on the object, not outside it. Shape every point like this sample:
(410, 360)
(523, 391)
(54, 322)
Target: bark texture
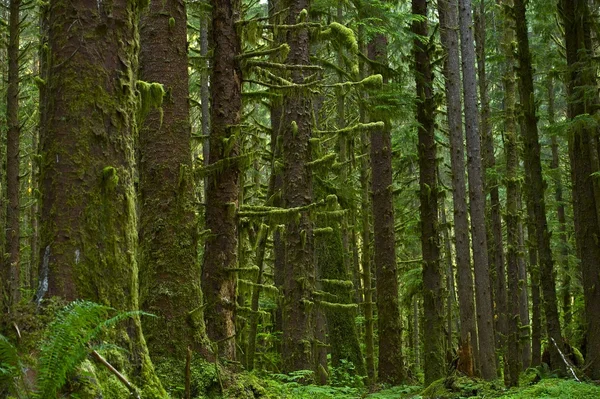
(583, 153)
(448, 14)
(434, 362)
(169, 267)
(391, 365)
(535, 185)
(13, 274)
(88, 218)
(299, 275)
(485, 324)
(222, 191)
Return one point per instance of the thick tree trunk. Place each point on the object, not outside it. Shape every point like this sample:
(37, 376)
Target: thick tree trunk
(485, 324)
(428, 195)
(510, 345)
(583, 152)
(12, 158)
(88, 218)
(391, 365)
(299, 276)
(448, 14)
(535, 185)
(220, 253)
(169, 267)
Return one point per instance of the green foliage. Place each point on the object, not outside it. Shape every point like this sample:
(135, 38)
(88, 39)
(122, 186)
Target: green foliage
(10, 366)
(67, 342)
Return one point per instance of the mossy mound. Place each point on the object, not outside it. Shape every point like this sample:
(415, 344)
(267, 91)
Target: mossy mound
(454, 387)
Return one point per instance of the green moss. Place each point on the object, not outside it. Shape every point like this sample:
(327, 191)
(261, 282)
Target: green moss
(110, 177)
(171, 23)
(150, 96)
(372, 82)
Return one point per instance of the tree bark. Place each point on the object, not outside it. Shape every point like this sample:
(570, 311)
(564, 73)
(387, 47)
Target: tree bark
(169, 267)
(583, 152)
(12, 157)
(485, 323)
(495, 241)
(88, 217)
(434, 363)
(535, 185)
(220, 253)
(448, 14)
(391, 364)
(299, 276)
(512, 354)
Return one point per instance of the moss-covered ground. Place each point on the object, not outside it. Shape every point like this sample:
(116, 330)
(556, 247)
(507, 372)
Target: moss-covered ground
(255, 386)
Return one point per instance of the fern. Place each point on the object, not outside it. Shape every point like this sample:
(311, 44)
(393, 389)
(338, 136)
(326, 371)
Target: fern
(66, 343)
(10, 364)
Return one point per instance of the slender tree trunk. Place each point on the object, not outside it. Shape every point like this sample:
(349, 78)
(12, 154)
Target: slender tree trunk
(88, 216)
(495, 242)
(218, 280)
(536, 295)
(261, 244)
(485, 323)
(205, 91)
(12, 157)
(169, 267)
(448, 14)
(561, 214)
(452, 323)
(430, 245)
(391, 365)
(535, 185)
(512, 354)
(299, 276)
(525, 330)
(583, 152)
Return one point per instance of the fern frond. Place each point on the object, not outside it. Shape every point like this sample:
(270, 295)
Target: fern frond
(66, 342)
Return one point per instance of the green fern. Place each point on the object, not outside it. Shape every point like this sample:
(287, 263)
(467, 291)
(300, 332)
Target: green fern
(10, 365)
(66, 343)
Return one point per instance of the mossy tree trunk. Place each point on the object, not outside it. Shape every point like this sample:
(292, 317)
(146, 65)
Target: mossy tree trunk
(169, 267)
(494, 221)
(448, 14)
(12, 262)
(563, 258)
(512, 355)
(485, 323)
(299, 270)
(222, 191)
(583, 153)
(434, 362)
(88, 219)
(535, 185)
(391, 368)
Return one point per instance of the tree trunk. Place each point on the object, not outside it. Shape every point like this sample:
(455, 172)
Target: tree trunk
(495, 242)
(88, 218)
(218, 280)
(391, 364)
(512, 354)
(536, 295)
(535, 185)
(299, 276)
(525, 330)
(485, 323)
(12, 157)
(583, 145)
(448, 14)
(428, 194)
(169, 267)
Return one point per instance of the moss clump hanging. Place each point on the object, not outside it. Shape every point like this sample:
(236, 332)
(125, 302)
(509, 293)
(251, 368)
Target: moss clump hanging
(150, 97)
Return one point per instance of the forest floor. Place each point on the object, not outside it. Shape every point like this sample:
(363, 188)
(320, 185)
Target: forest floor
(450, 388)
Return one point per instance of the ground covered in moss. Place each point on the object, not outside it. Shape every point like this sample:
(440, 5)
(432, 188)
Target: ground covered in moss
(254, 386)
